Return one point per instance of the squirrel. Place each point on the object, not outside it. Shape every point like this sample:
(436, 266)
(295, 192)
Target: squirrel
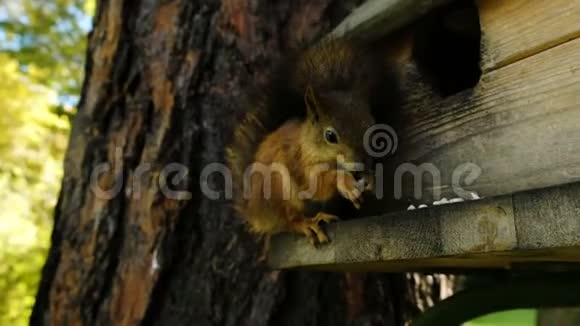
(300, 147)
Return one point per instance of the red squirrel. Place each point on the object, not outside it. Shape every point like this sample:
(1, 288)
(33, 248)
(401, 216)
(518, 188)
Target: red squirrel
(303, 136)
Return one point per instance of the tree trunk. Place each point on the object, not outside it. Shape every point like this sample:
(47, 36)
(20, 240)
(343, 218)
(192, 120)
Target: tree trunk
(162, 84)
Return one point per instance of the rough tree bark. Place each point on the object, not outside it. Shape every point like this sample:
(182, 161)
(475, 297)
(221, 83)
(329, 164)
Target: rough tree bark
(162, 83)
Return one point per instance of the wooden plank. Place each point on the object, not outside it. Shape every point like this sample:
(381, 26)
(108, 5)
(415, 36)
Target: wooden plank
(516, 29)
(494, 233)
(519, 126)
(378, 18)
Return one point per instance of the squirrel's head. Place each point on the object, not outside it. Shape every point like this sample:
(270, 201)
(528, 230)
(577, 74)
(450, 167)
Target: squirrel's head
(335, 127)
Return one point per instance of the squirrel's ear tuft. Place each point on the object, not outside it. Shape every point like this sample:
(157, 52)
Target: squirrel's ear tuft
(312, 104)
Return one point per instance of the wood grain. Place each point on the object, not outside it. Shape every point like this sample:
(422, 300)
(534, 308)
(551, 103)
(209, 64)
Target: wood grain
(509, 231)
(519, 126)
(516, 29)
(378, 18)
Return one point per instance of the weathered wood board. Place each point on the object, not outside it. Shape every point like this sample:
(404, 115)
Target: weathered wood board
(502, 232)
(377, 18)
(516, 29)
(520, 126)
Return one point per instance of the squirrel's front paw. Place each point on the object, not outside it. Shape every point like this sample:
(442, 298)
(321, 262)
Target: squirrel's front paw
(352, 190)
(368, 183)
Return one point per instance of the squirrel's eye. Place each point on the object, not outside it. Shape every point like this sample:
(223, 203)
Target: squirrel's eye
(330, 136)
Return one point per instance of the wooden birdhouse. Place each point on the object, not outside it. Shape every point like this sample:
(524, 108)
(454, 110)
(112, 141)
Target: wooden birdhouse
(488, 160)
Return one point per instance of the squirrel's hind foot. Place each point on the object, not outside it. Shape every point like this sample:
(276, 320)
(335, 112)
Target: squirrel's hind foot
(326, 218)
(311, 228)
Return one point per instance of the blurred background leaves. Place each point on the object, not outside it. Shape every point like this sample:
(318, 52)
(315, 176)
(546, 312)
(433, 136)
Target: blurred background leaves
(42, 50)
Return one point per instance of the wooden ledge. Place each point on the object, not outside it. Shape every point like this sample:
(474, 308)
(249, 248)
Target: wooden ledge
(531, 227)
(377, 18)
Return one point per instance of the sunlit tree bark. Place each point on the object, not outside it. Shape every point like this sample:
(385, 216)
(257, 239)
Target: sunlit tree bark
(162, 87)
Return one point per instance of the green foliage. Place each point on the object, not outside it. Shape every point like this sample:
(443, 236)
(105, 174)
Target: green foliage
(32, 144)
(48, 39)
(507, 318)
(42, 49)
